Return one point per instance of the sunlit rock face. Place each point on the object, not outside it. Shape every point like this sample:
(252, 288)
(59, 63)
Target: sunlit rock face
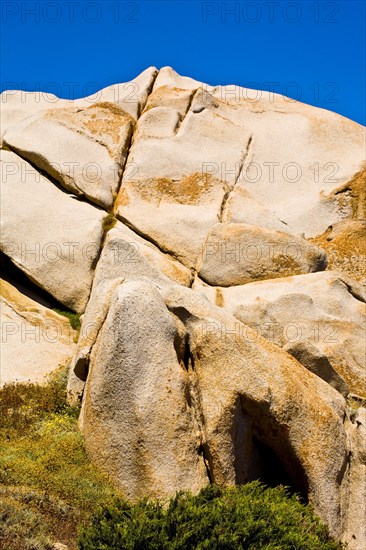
(213, 239)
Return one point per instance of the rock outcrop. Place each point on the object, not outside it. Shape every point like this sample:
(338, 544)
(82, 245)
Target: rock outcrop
(212, 239)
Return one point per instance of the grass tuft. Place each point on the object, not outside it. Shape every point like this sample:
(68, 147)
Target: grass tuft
(109, 222)
(74, 318)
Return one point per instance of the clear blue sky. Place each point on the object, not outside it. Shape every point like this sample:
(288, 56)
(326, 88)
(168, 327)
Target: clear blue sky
(312, 50)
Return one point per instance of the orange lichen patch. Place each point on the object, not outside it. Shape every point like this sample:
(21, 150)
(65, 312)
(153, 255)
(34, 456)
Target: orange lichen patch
(111, 107)
(109, 124)
(356, 189)
(287, 265)
(105, 122)
(174, 98)
(219, 298)
(123, 198)
(190, 190)
(345, 245)
(355, 382)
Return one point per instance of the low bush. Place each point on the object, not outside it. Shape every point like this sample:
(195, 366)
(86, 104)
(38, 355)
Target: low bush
(47, 483)
(249, 517)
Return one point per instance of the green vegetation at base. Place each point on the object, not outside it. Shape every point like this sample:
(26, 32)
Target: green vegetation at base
(49, 491)
(250, 517)
(48, 487)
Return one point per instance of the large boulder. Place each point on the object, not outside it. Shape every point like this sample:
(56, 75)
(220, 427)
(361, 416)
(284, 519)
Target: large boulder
(52, 237)
(176, 385)
(138, 421)
(236, 253)
(125, 257)
(87, 139)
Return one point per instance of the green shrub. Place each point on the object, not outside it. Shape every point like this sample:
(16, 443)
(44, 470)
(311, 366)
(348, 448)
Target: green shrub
(249, 517)
(46, 478)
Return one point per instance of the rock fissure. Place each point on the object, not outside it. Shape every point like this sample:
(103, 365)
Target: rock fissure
(357, 293)
(196, 401)
(149, 239)
(222, 212)
(126, 152)
(43, 172)
(194, 398)
(182, 119)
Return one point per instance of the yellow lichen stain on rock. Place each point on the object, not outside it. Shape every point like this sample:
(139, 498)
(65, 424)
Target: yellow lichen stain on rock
(189, 190)
(354, 193)
(174, 98)
(219, 298)
(286, 265)
(345, 245)
(122, 199)
(106, 122)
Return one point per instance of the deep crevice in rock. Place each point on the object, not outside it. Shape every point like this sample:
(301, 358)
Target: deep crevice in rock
(17, 278)
(358, 294)
(195, 397)
(231, 189)
(149, 239)
(112, 211)
(192, 391)
(190, 101)
(129, 143)
(81, 197)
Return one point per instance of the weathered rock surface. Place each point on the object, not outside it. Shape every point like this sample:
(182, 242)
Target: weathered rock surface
(216, 196)
(130, 96)
(125, 257)
(180, 400)
(17, 105)
(34, 340)
(236, 253)
(354, 509)
(318, 363)
(85, 151)
(325, 309)
(345, 246)
(136, 383)
(48, 234)
(173, 197)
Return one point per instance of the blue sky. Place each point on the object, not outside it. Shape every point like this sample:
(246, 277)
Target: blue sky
(310, 50)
